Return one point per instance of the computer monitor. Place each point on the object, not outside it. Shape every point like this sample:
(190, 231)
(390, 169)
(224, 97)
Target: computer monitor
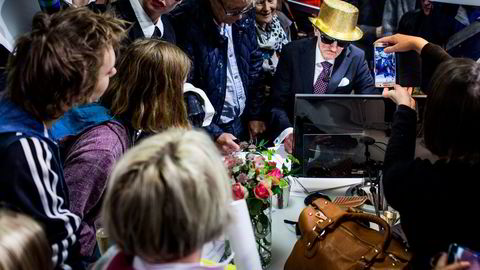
(343, 135)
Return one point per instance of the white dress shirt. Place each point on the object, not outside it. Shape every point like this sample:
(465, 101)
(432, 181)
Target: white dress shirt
(146, 23)
(318, 64)
(235, 98)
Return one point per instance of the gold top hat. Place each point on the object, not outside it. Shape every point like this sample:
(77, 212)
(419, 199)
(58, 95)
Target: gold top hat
(338, 19)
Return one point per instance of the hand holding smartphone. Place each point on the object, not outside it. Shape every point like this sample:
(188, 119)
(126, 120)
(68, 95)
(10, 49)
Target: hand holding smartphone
(458, 253)
(384, 66)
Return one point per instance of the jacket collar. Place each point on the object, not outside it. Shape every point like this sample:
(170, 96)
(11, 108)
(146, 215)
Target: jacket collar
(79, 119)
(15, 119)
(340, 65)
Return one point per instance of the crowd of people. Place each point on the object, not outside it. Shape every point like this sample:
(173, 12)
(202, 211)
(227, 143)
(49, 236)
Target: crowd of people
(117, 114)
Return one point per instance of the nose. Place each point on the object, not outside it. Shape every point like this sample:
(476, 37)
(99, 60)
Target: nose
(334, 47)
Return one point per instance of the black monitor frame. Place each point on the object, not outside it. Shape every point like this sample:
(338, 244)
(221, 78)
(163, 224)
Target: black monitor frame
(345, 120)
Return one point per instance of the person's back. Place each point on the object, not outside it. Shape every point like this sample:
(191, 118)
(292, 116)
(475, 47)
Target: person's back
(437, 200)
(65, 60)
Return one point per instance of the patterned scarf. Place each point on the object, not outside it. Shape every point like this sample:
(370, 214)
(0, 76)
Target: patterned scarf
(273, 37)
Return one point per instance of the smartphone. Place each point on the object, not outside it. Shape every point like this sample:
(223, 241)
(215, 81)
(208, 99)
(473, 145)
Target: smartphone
(385, 66)
(459, 253)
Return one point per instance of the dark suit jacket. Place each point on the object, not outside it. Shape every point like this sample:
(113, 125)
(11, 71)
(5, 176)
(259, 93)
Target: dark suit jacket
(295, 72)
(124, 10)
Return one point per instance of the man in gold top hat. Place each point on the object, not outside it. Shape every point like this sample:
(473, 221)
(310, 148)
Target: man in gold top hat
(324, 64)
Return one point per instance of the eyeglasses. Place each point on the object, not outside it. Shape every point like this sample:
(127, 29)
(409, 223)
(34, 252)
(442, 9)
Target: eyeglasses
(236, 12)
(329, 40)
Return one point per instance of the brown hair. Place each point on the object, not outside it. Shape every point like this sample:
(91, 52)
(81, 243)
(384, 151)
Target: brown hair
(23, 243)
(56, 65)
(148, 89)
(168, 196)
(452, 111)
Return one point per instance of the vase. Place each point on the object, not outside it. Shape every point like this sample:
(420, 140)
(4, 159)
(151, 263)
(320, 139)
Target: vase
(261, 217)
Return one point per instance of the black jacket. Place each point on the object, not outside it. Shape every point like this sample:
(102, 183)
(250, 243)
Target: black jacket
(437, 201)
(124, 10)
(198, 35)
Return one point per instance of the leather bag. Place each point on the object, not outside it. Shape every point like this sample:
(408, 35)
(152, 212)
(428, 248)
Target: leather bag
(332, 239)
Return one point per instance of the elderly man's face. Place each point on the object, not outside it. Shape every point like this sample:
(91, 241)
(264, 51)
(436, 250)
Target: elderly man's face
(328, 51)
(155, 8)
(230, 11)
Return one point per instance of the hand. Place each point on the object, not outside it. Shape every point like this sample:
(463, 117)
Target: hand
(288, 143)
(400, 95)
(442, 264)
(403, 43)
(255, 128)
(226, 143)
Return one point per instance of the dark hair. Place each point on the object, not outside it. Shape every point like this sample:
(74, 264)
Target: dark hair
(56, 65)
(452, 111)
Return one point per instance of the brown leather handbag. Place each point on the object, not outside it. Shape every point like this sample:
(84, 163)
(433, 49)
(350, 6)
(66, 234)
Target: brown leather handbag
(332, 239)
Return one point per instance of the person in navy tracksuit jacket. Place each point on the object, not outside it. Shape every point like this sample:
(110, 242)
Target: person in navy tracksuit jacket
(54, 67)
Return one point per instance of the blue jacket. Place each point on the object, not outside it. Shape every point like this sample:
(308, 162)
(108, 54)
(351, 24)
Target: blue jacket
(32, 179)
(79, 119)
(198, 35)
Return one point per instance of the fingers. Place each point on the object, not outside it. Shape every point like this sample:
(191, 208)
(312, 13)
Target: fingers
(442, 264)
(442, 261)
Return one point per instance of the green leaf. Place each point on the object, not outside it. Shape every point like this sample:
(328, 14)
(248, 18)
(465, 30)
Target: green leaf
(283, 183)
(251, 174)
(263, 219)
(254, 206)
(235, 169)
(276, 190)
(293, 159)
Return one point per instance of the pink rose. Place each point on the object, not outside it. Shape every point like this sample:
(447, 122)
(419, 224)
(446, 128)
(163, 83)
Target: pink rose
(276, 173)
(229, 162)
(242, 178)
(239, 191)
(262, 191)
(259, 162)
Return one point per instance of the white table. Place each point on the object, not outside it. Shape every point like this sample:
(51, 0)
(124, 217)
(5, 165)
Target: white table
(283, 235)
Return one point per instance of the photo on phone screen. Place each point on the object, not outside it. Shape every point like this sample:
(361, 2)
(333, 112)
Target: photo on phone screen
(458, 253)
(385, 66)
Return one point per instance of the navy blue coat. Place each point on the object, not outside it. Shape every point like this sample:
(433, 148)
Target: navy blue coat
(295, 72)
(198, 36)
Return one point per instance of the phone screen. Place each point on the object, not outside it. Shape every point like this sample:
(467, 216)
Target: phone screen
(459, 253)
(385, 66)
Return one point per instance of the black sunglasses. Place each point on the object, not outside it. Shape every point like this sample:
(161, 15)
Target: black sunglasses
(236, 12)
(329, 40)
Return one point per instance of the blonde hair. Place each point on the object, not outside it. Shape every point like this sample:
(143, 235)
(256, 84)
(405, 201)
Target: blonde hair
(23, 243)
(168, 196)
(148, 88)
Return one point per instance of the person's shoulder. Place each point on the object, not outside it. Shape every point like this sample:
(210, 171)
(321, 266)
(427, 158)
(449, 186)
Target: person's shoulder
(106, 136)
(298, 44)
(356, 51)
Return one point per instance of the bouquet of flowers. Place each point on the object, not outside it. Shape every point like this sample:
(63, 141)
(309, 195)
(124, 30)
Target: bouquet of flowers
(255, 178)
